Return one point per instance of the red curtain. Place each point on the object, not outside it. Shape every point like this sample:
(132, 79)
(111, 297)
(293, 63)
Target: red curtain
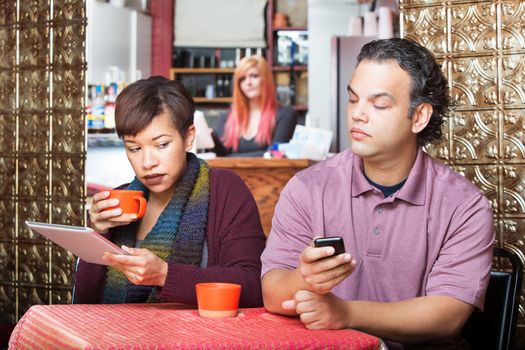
(162, 41)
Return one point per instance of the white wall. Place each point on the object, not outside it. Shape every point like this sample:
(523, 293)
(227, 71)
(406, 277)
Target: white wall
(117, 37)
(108, 166)
(141, 42)
(326, 18)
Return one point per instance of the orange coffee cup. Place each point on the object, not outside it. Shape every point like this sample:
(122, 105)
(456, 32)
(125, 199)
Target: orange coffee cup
(131, 203)
(217, 300)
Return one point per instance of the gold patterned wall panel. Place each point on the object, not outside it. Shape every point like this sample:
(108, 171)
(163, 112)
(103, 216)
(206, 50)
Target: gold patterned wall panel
(481, 45)
(42, 146)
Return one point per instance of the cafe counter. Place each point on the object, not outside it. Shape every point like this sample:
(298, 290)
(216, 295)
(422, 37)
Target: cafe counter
(265, 178)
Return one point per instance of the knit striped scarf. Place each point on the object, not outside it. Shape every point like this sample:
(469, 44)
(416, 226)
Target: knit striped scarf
(178, 235)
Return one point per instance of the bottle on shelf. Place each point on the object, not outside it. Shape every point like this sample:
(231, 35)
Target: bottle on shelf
(227, 86)
(109, 107)
(237, 56)
(97, 108)
(89, 106)
(210, 91)
(219, 86)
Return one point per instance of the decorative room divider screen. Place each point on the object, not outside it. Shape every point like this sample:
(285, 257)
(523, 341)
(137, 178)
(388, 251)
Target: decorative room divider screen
(482, 47)
(42, 147)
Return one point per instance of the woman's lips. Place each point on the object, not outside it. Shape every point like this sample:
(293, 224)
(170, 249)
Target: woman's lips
(153, 179)
(358, 134)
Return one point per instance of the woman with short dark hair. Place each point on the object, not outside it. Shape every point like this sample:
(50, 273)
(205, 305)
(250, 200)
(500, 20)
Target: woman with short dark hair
(200, 225)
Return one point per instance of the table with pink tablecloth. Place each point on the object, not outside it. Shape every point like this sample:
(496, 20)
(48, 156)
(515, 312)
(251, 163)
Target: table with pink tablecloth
(167, 326)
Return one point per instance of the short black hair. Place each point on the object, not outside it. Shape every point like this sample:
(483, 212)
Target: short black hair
(140, 102)
(428, 84)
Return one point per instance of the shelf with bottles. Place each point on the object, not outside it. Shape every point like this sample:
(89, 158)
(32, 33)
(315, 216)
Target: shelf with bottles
(218, 100)
(100, 109)
(207, 73)
(206, 85)
(287, 38)
(291, 50)
(286, 19)
(174, 72)
(295, 68)
(292, 89)
(103, 138)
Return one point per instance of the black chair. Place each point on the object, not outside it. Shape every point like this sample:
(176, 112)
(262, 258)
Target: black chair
(5, 333)
(494, 327)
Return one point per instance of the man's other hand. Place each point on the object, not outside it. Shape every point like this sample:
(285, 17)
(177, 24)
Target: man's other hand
(319, 311)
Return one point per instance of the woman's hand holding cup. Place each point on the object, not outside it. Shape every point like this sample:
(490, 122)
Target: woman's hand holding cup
(115, 208)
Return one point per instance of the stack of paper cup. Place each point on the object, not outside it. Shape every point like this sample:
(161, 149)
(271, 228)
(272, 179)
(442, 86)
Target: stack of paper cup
(355, 26)
(370, 26)
(385, 28)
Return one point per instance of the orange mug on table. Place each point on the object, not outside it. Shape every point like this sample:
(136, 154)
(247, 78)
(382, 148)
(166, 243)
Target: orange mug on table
(131, 202)
(216, 300)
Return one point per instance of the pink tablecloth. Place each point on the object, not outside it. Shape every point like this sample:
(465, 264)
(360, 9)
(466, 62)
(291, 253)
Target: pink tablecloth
(165, 326)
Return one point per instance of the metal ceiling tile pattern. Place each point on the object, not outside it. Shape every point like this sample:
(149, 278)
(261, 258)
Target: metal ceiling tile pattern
(482, 48)
(42, 146)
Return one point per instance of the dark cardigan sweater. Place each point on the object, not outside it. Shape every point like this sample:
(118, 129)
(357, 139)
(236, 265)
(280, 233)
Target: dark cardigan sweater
(235, 241)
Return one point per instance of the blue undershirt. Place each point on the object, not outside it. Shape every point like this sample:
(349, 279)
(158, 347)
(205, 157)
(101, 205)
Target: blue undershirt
(387, 190)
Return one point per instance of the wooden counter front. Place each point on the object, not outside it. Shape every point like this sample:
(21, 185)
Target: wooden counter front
(265, 178)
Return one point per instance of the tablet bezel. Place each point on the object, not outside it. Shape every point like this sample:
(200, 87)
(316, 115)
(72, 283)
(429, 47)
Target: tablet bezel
(82, 242)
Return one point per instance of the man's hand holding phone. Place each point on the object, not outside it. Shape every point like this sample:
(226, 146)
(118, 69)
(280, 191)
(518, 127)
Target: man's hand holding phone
(320, 266)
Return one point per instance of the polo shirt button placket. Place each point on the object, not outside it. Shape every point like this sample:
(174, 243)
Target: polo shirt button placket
(375, 231)
(379, 210)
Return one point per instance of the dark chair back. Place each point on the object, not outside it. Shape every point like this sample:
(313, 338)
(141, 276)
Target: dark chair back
(494, 327)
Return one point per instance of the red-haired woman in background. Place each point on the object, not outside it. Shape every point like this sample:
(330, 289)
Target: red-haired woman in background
(255, 120)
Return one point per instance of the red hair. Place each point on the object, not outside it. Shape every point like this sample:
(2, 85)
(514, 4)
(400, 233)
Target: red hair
(238, 119)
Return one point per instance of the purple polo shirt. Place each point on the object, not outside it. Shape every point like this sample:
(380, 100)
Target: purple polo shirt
(432, 237)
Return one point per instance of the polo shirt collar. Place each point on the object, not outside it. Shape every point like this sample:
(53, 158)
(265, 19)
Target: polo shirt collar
(413, 191)
(360, 184)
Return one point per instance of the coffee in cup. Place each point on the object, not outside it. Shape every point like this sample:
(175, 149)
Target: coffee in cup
(216, 300)
(132, 203)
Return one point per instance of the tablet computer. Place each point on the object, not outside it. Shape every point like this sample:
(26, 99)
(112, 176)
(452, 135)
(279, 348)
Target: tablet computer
(83, 242)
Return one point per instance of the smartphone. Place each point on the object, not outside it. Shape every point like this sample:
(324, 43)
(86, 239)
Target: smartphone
(336, 242)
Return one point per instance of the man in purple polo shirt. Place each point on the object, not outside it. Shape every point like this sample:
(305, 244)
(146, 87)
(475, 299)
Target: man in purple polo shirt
(418, 236)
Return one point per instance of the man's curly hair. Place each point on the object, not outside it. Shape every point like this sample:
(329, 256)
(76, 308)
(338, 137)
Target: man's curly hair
(428, 84)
